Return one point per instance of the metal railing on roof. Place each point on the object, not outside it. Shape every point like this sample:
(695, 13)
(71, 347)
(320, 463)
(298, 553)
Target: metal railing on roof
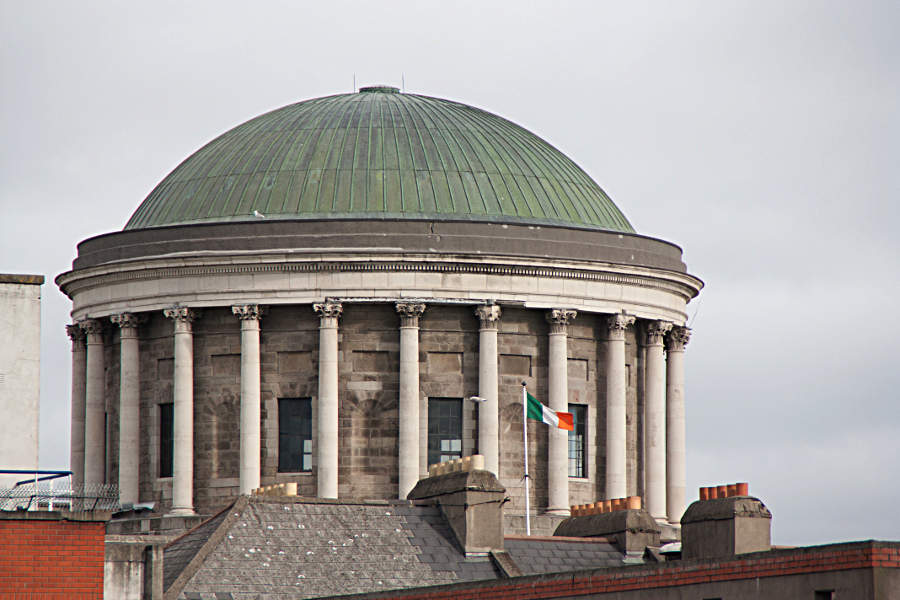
(54, 490)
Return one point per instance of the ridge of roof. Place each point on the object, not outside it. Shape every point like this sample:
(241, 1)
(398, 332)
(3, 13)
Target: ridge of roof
(217, 527)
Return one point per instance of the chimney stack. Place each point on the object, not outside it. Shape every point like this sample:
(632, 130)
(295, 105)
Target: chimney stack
(471, 500)
(722, 526)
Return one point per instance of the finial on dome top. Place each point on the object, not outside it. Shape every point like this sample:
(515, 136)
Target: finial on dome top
(384, 89)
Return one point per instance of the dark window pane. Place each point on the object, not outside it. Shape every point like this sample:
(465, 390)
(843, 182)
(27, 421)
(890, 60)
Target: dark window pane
(294, 435)
(166, 438)
(578, 441)
(444, 429)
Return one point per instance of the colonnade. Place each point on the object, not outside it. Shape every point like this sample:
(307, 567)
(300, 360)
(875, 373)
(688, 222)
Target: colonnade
(664, 459)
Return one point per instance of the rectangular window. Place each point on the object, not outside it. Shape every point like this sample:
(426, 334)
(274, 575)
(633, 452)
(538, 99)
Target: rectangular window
(294, 435)
(578, 441)
(444, 429)
(166, 438)
(824, 594)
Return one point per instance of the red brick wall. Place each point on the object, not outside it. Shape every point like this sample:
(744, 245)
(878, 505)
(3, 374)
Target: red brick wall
(51, 560)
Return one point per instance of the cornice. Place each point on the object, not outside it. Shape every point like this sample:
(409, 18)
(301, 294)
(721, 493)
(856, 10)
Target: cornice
(684, 285)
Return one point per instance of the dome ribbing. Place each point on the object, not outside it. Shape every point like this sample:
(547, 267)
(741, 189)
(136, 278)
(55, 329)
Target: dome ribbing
(379, 154)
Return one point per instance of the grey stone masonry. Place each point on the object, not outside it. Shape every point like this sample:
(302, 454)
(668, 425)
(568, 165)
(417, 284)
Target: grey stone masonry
(368, 390)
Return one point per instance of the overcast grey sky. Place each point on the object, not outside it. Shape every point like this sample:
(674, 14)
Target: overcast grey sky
(763, 137)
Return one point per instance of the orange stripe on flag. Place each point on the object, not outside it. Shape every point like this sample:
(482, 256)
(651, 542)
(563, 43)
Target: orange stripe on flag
(566, 421)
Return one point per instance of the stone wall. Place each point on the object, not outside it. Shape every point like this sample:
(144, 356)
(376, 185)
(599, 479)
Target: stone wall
(368, 384)
(20, 365)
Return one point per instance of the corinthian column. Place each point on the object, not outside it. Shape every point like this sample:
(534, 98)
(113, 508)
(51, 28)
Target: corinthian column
(327, 439)
(95, 405)
(183, 417)
(616, 425)
(408, 447)
(249, 315)
(675, 438)
(655, 405)
(129, 407)
(558, 441)
(489, 410)
(76, 443)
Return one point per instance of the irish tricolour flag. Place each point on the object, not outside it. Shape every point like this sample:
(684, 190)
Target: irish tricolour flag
(545, 414)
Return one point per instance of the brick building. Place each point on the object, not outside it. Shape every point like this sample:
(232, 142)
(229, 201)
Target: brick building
(51, 555)
(314, 296)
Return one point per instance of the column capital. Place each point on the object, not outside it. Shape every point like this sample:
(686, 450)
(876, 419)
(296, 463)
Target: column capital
(127, 320)
(410, 312)
(617, 324)
(91, 326)
(181, 314)
(75, 333)
(329, 310)
(655, 331)
(559, 318)
(488, 315)
(678, 338)
(248, 312)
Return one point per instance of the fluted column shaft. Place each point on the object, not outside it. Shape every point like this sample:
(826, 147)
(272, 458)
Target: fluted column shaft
(488, 380)
(95, 405)
(249, 470)
(129, 407)
(558, 384)
(76, 440)
(327, 408)
(655, 403)
(183, 413)
(616, 420)
(408, 446)
(676, 474)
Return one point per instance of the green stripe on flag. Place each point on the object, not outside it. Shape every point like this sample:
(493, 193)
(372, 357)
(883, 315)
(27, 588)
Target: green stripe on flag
(534, 408)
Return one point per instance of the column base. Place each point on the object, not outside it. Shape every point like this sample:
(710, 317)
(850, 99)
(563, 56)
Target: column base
(181, 512)
(557, 511)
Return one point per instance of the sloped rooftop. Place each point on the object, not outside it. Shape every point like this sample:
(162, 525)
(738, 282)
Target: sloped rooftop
(278, 548)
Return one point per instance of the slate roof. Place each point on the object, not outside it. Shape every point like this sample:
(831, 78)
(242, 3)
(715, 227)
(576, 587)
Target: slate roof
(379, 154)
(264, 548)
(180, 551)
(537, 555)
(273, 548)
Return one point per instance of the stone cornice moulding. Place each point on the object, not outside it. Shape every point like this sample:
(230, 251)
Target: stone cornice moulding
(681, 284)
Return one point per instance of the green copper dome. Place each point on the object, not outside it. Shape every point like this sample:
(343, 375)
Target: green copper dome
(379, 154)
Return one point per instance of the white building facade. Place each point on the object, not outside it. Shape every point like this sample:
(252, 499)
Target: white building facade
(20, 373)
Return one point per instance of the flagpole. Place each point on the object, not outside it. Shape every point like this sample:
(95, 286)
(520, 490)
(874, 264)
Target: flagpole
(525, 438)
